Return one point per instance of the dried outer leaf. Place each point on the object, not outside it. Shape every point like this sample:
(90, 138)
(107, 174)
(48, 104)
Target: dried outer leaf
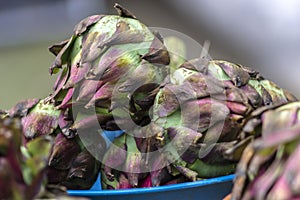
(64, 152)
(57, 47)
(84, 171)
(237, 75)
(84, 24)
(21, 108)
(123, 12)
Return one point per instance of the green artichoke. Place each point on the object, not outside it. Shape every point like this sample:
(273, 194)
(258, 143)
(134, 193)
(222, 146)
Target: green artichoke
(269, 166)
(111, 65)
(202, 109)
(70, 164)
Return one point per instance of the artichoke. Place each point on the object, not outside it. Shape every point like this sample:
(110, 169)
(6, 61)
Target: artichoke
(197, 117)
(70, 164)
(22, 167)
(269, 166)
(202, 109)
(111, 65)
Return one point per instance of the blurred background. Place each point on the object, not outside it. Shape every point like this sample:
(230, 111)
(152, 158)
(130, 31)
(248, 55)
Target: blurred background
(264, 35)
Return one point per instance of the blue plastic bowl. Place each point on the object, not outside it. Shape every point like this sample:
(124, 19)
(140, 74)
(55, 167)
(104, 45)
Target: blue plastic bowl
(208, 189)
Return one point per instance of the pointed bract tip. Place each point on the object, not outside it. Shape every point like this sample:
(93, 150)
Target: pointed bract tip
(123, 12)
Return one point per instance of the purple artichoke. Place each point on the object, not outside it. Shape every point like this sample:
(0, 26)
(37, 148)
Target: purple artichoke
(269, 166)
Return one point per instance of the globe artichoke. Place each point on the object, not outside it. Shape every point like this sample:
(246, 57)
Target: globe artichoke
(197, 118)
(22, 167)
(269, 167)
(202, 109)
(112, 66)
(70, 164)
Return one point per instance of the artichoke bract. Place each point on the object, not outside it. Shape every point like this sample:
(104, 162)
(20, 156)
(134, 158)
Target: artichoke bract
(70, 164)
(269, 166)
(111, 65)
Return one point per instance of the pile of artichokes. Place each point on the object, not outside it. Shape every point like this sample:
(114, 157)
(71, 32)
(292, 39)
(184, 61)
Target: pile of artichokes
(181, 121)
(269, 166)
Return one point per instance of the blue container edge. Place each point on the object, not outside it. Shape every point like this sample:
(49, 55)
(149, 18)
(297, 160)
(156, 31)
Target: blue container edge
(178, 186)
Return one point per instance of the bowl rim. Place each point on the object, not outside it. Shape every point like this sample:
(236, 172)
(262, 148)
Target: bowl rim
(179, 186)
